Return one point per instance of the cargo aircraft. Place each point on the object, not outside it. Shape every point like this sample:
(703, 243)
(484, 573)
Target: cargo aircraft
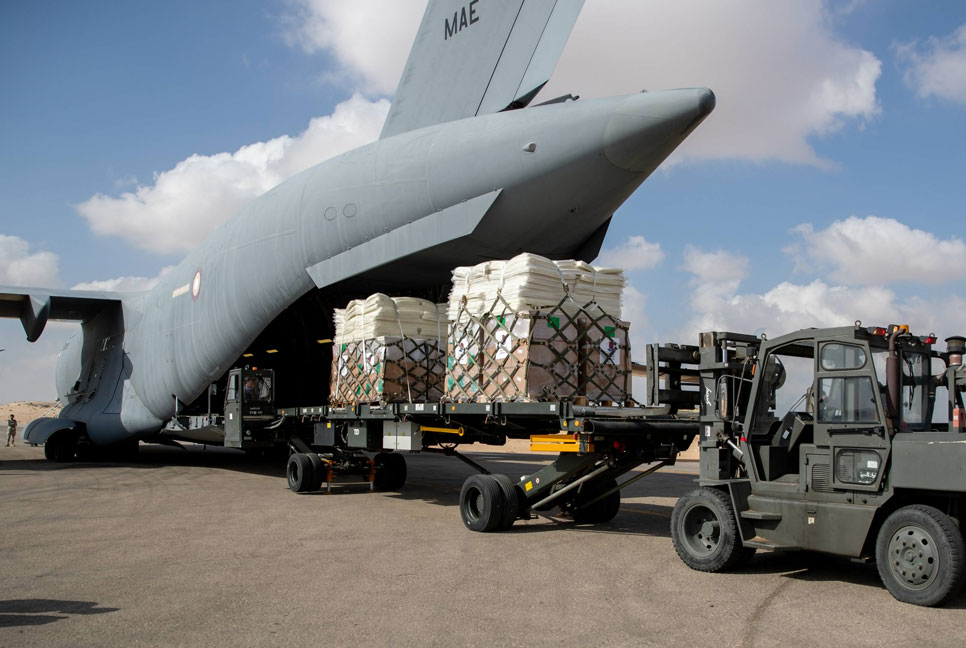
(465, 170)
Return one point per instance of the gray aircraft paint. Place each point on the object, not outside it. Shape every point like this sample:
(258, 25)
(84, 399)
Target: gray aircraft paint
(544, 179)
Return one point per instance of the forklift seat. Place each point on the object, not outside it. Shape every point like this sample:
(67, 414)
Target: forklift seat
(796, 428)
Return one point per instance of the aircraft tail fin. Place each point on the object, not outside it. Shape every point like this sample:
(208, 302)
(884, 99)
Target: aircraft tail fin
(473, 58)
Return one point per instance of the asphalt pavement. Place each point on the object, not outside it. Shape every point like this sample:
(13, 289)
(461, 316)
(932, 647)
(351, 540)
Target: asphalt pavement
(209, 548)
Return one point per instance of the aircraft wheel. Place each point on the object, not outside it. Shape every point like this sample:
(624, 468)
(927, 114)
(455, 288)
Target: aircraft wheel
(920, 555)
(299, 472)
(603, 510)
(391, 471)
(705, 532)
(318, 470)
(511, 501)
(481, 503)
(60, 447)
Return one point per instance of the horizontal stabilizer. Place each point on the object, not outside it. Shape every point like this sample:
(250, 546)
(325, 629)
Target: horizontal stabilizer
(473, 58)
(34, 306)
(436, 228)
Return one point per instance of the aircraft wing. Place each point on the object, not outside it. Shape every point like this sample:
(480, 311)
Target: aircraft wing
(34, 306)
(473, 58)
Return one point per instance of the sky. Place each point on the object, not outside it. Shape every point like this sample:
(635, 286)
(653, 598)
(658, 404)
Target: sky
(828, 185)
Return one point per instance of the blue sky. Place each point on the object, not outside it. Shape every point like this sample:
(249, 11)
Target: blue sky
(828, 185)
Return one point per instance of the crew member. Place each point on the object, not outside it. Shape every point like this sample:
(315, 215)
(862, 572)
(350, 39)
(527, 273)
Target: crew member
(11, 430)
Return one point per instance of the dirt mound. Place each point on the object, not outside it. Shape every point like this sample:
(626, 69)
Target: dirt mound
(26, 411)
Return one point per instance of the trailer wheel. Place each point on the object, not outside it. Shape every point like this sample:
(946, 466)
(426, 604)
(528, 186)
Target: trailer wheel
(390, 471)
(511, 501)
(603, 510)
(318, 469)
(299, 472)
(481, 503)
(705, 531)
(920, 555)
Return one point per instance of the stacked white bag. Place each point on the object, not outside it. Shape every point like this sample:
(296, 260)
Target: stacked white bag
(388, 349)
(532, 282)
(380, 315)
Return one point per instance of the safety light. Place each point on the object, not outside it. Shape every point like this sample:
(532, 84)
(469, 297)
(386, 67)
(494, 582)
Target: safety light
(271, 351)
(247, 355)
(878, 330)
(929, 339)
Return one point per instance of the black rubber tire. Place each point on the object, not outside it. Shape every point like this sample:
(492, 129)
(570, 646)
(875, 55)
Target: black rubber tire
(391, 471)
(60, 447)
(318, 471)
(511, 501)
(299, 472)
(481, 503)
(705, 531)
(602, 510)
(920, 555)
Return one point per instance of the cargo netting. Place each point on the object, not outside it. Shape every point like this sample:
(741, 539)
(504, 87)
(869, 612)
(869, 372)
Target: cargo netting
(507, 343)
(388, 350)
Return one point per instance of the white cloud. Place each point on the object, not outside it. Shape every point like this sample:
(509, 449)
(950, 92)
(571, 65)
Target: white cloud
(780, 73)
(124, 284)
(21, 267)
(27, 369)
(371, 41)
(786, 307)
(188, 202)
(875, 250)
(936, 66)
(636, 253)
(716, 276)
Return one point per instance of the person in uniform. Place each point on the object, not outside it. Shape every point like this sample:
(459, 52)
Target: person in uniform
(11, 430)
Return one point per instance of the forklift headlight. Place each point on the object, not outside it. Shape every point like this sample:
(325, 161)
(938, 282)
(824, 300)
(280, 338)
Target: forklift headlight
(857, 466)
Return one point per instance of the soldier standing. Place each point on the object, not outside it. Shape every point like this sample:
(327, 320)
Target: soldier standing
(11, 430)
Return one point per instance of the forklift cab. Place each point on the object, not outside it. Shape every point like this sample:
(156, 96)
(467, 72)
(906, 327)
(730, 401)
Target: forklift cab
(249, 398)
(821, 420)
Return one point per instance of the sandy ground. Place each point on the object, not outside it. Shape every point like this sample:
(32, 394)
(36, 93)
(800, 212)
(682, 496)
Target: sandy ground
(209, 548)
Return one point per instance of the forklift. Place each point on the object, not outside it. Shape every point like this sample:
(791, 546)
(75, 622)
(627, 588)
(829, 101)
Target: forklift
(825, 440)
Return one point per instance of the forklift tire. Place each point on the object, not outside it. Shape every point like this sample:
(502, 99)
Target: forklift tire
(601, 511)
(705, 531)
(299, 472)
(511, 501)
(391, 472)
(920, 555)
(318, 471)
(482, 503)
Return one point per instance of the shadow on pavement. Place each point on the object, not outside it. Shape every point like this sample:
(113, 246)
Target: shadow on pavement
(34, 612)
(159, 456)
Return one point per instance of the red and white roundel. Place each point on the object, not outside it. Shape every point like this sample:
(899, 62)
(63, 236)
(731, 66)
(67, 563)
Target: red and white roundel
(196, 284)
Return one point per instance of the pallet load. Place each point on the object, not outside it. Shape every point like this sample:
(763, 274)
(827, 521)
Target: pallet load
(532, 329)
(388, 350)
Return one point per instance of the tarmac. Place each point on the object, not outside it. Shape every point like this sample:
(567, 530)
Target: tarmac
(208, 547)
